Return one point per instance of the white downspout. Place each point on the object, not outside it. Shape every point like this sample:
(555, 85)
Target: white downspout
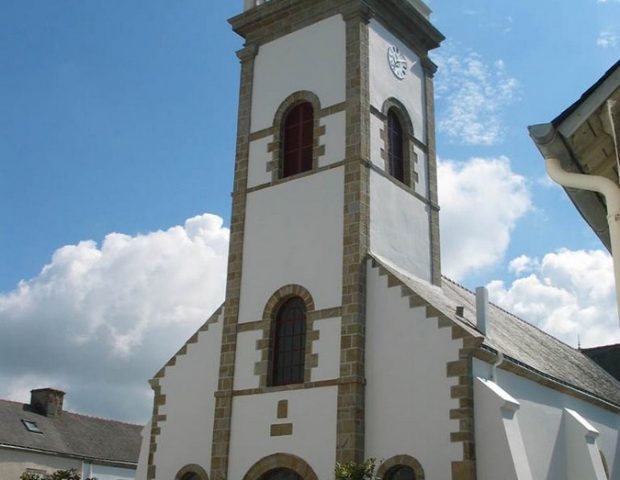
(605, 187)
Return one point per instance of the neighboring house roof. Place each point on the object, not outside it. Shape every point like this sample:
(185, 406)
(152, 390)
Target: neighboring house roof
(521, 342)
(585, 137)
(607, 356)
(70, 434)
(557, 121)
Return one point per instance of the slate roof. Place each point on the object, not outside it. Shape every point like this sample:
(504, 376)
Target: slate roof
(520, 341)
(70, 434)
(566, 113)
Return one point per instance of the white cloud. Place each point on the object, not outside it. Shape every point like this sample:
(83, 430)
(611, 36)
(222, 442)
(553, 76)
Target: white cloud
(471, 94)
(607, 39)
(481, 201)
(570, 294)
(99, 322)
(523, 264)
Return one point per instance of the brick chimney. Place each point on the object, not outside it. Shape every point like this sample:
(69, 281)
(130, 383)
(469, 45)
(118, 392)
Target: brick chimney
(47, 401)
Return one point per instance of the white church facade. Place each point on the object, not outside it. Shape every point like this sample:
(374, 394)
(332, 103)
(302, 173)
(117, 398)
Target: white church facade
(339, 340)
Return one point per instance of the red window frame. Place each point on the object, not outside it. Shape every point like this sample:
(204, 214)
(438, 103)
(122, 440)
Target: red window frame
(289, 343)
(298, 140)
(396, 147)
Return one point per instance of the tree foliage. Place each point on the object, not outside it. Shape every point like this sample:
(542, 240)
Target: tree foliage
(71, 474)
(356, 471)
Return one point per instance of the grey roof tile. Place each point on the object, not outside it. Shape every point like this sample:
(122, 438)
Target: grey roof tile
(70, 434)
(516, 338)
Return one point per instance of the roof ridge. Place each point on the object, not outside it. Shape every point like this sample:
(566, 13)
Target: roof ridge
(70, 412)
(95, 417)
(507, 312)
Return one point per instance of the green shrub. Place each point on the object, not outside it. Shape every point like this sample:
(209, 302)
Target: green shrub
(57, 475)
(356, 471)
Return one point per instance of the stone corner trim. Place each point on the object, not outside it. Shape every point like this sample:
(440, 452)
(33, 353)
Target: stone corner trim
(461, 369)
(160, 398)
(281, 429)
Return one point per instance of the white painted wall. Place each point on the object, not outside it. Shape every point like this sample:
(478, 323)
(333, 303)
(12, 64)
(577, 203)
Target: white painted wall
(15, 462)
(407, 393)
(334, 139)
(421, 167)
(582, 450)
(293, 235)
(257, 162)
(189, 387)
(384, 84)
(104, 472)
(376, 142)
(399, 227)
(245, 360)
(313, 58)
(313, 415)
(497, 428)
(143, 460)
(410, 92)
(541, 421)
(328, 349)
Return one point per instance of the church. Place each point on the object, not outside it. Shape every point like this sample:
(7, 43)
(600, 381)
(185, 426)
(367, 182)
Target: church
(339, 340)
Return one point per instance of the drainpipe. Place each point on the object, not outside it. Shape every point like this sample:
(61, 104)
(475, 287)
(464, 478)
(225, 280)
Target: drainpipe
(594, 183)
(605, 187)
(498, 362)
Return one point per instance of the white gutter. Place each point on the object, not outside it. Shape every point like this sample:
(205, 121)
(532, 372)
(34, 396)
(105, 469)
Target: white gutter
(548, 142)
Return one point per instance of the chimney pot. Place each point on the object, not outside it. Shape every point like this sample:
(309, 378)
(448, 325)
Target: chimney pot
(47, 401)
(482, 309)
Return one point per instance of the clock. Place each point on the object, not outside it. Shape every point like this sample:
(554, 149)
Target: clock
(398, 63)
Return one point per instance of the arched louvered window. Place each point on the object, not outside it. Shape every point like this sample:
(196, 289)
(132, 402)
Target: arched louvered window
(289, 343)
(400, 472)
(298, 140)
(281, 474)
(396, 147)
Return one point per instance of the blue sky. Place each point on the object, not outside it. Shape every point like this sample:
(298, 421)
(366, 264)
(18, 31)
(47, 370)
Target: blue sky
(119, 117)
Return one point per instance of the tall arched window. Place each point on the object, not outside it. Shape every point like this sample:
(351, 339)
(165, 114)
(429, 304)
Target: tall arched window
(298, 140)
(281, 474)
(400, 472)
(289, 343)
(396, 147)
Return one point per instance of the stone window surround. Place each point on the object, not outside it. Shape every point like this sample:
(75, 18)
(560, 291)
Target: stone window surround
(410, 157)
(192, 468)
(275, 147)
(264, 345)
(281, 460)
(401, 460)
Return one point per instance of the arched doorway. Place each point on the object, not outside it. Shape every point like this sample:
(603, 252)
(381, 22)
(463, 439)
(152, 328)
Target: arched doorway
(281, 474)
(401, 467)
(281, 466)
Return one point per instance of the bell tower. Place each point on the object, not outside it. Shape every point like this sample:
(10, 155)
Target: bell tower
(335, 160)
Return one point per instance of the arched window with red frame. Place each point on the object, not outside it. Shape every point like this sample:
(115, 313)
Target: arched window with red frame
(298, 140)
(396, 147)
(289, 343)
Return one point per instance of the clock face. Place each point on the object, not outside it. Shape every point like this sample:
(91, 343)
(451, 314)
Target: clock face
(398, 63)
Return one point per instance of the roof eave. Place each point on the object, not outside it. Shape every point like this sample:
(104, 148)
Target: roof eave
(590, 205)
